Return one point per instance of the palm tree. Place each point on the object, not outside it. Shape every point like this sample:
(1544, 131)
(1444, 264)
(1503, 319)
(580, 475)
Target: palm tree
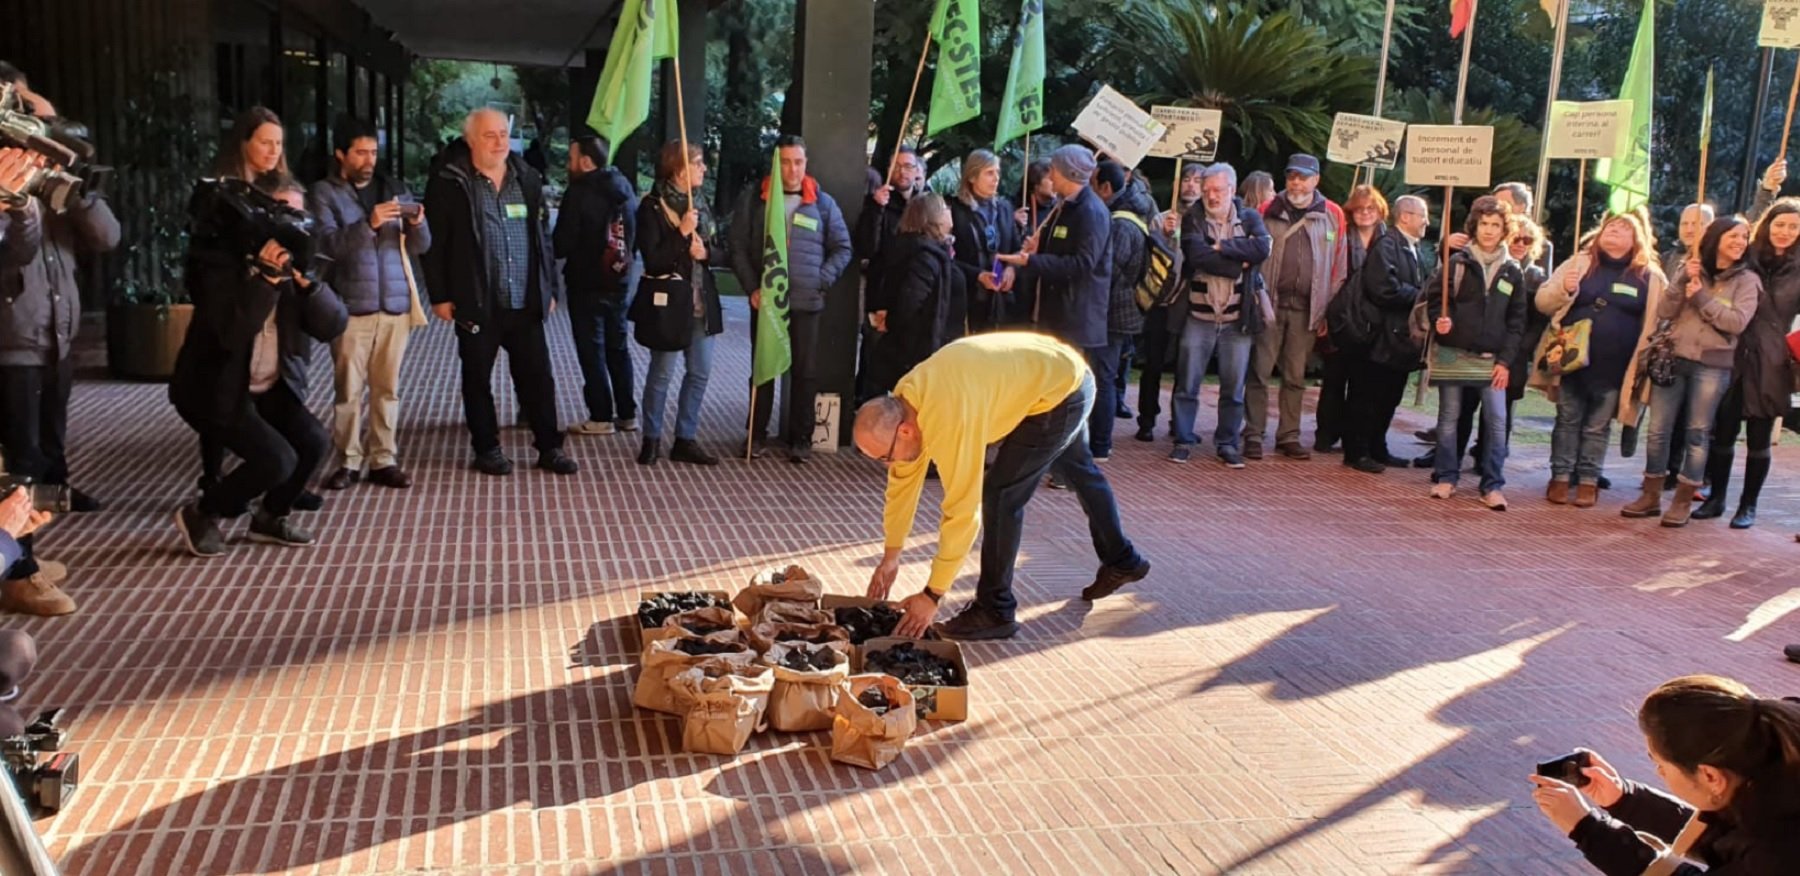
(1277, 80)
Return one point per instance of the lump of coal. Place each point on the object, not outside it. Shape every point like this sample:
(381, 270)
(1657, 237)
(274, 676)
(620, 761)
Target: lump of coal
(658, 608)
(914, 666)
(874, 699)
(809, 659)
(871, 622)
(698, 647)
(820, 637)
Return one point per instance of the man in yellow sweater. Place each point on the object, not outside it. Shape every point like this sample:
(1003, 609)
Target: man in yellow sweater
(1032, 394)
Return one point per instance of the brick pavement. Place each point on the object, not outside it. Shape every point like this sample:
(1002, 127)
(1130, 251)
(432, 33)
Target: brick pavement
(1327, 672)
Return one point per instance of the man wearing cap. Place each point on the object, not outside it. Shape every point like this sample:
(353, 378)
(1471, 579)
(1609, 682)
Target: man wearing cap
(1307, 263)
(1067, 261)
(1031, 394)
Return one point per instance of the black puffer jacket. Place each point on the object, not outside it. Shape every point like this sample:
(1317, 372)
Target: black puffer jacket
(1485, 317)
(1391, 279)
(925, 305)
(1611, 840)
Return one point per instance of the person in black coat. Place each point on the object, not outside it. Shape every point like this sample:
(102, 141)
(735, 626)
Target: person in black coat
(240, 380)
(1067, 263)
(596, 231)
(1731, 761)
(1365, 222)
(924, 311)
(1391, 279)
(981, 220)
(879, 222)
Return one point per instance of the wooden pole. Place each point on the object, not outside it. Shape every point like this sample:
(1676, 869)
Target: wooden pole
(1355, 174)
(1787, 127)
(1449, 199)
(750, 424)
(681, 120)
(907, 119)
(1025, 183)
(1175, 197)
(1580, 192)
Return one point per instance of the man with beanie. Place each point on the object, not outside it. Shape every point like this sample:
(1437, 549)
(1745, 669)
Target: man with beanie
(1307, 264)
(1067, 261)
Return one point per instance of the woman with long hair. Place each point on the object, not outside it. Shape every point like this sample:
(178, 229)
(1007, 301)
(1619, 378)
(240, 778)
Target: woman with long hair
(1762, 374)
(254, 147)
(1614, 284)
(1707, 307)
(980, 218)
(1731, 762)
(676, 235)
(923, 312)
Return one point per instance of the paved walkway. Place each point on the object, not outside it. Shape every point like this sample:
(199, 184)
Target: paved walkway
(1327, 672)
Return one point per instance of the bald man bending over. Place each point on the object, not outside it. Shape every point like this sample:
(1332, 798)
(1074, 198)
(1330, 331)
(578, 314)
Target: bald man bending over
(1030, 392)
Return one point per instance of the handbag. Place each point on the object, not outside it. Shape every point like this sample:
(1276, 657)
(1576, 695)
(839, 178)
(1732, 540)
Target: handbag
(1659, 355)
(1449, 366)
(1564, 349)
(662, 314)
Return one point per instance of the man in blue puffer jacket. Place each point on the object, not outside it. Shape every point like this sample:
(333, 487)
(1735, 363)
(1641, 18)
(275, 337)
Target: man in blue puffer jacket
(370, 225)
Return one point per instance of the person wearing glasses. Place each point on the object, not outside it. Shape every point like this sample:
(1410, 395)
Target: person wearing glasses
(1032, 394)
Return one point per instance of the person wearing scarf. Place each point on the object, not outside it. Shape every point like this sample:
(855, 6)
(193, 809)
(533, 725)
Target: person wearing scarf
(675, 234)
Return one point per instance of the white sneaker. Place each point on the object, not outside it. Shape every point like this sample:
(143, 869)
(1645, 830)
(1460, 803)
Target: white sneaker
(629, 424)
(1443, 491)
(1493, 500)
(593, 427)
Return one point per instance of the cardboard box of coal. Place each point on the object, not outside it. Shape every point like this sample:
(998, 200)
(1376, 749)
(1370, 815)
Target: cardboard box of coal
(933, 670)
(704, 611)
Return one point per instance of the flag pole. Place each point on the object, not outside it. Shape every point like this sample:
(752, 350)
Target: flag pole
(1175, 196)
(1387, 38)
(1787, 127)
(1456, 117)
(1556, 60)
(1580, 192)
(907, 119)
(1025, 182)
(687, 187)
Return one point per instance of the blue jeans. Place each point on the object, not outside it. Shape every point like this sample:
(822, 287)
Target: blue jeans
(1584, 417)
(1104, 362)
(1052, 441)
(597, 321)
(1700, 387)
(698, 359)
(1200, 340)
(1493, 436)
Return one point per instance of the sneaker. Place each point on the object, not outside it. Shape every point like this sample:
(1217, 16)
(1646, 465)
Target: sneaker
(1428, 459)
(1293, 450)
(35, 595)
(1055, 482)
(1103, 456)
(629, 424)
(976, 623)
(1443, 491)
(269, 529)
(593, 427)
(1109, 580)
(199, 533)
(1124, 413)
(799, 453)
(747, 449)
(1230, 458)
(1145, 433)
(308, 501)
(493, 462)
(1493, 500)
(689, 451)
(1182, 453)
(1253, 450)
(557, 462)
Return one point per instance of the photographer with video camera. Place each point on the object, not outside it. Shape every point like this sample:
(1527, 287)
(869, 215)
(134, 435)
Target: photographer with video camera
(240, 379)
(1731, 761)
(21, 226)
(40, 313)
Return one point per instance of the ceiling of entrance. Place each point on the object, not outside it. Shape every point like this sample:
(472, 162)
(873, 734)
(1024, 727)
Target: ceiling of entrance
(502, 31)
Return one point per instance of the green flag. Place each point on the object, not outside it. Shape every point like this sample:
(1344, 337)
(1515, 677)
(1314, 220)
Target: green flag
(1022, 109)
(1706, 113)
(956, 86)
(644, 35)
(1629, 177)
(773, 354)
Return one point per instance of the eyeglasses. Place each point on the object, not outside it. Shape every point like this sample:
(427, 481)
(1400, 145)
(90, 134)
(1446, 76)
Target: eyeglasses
(888, 457)
(1524, 241)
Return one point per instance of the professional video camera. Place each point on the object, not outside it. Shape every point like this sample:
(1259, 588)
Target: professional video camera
(72, 176)
(236, 217)
(48, 784)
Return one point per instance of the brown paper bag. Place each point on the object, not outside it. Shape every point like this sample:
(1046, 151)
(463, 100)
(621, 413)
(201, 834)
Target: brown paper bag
(860, 737)
(723, 618)
(803, 700)
(786, 611)
(662, 662)
(762, 637)
(725, 704)
(792, 583)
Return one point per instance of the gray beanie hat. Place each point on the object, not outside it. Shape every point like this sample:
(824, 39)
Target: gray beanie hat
(1075, 163)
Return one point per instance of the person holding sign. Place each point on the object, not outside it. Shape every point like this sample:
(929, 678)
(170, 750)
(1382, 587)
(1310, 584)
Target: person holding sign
(1307, 264)
(1486, 319)
(1711, 304)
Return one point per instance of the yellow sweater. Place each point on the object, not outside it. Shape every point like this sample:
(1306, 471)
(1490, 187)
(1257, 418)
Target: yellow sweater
(970, 394)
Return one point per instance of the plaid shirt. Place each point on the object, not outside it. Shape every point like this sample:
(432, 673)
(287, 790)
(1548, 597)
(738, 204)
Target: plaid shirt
(507, 236)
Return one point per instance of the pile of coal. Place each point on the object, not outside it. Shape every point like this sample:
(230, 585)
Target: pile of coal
(809, 659)
(819, 637)
(700, 647)
(701, 628)
(874, 699)
(914, 666)
(868, 623)
(653, 611)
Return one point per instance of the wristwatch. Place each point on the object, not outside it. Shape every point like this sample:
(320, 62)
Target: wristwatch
(936, 598)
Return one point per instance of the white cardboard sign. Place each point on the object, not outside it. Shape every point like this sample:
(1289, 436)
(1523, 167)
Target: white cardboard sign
(1449, 155)
(1192, 134)
(1118, 127)
(1594, 129)
(1780, 24)
(1371, 141)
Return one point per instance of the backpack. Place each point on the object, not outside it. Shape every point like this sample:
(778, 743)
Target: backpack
(615, 258)
(1159, 282)
(1350, 321)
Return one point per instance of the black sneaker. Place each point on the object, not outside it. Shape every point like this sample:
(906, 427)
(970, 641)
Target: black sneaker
(269, 529)
(976, 623)
(1146, 433)
(557, 462)
(1182, 453)
(689, 451)
(1230, 458)
(1109, 580)
(1792, 652)
(199, 532)
(1124, 413)
(1427, 459)
(649, 451)
(748, 449)
(493, 462)
(799, 453)
(1055, 482)
(308, 501)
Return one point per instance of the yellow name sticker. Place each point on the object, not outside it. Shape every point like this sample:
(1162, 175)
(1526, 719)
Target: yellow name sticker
(802, 220)
(515, 211)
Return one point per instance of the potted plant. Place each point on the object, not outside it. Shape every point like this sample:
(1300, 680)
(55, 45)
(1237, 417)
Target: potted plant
(149, 315)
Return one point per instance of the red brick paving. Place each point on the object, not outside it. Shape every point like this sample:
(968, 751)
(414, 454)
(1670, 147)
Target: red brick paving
(1326, 673)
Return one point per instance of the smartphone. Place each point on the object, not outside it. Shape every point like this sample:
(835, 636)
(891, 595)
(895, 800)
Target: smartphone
(997, 268)
(1567, 768)
(409, 210)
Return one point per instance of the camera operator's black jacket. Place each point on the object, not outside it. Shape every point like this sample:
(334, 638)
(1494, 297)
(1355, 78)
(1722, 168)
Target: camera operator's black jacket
(456, 267)
(21, 233)
(40, 303)
(212, 373)
(1613, 839)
